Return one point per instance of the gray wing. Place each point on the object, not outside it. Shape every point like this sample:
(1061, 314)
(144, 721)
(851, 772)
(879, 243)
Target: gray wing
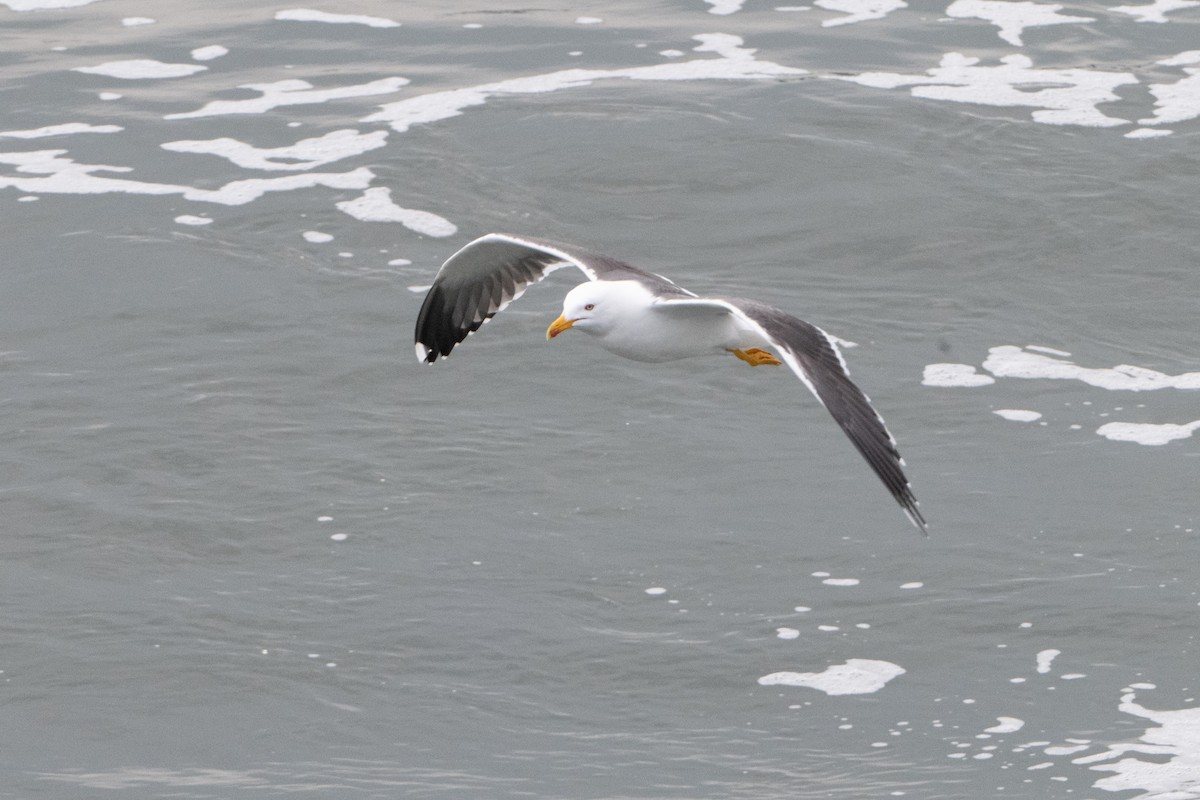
(482, 278)
(811, 353)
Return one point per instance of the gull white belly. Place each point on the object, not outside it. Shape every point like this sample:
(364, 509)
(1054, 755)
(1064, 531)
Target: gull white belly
(655, 336)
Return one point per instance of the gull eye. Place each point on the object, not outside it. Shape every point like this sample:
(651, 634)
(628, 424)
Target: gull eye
(589, 306)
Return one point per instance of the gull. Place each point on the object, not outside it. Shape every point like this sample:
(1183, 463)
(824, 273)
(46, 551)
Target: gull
(645, 317)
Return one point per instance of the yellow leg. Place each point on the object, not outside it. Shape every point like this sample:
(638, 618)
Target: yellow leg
(756, 357)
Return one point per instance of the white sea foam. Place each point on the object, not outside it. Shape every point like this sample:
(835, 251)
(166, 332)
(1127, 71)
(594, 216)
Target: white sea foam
(841, 581)
(309, 15)
(954, 375)
(1147, 433)
(1017, 414)
(1059, 96)
(856, 676)
(64, 176)
(61, 130)
(209, 52)
(290, 92)
(1008, 361)
(1148, 133)
(1181, 59)
(133, 22)
(303, 155)
(1178, 101)
(787, 633)
(1156, 11)
(858, 10)
(241, 192)
(1163, 763)
(317, 237)
(51, 173)
(1012, 17)
(733, 62)
(191, 219)
(724, 7)
(375, 205)
(141, 69)
(1045, 658)
(1036, 362)
(1006, 725)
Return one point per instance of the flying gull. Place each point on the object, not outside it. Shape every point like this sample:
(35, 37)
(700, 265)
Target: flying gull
(646, 317)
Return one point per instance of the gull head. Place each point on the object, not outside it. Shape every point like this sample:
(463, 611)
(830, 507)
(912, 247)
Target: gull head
(592, 307)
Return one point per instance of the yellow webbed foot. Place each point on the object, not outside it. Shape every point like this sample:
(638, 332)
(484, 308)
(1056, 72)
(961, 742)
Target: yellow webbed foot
(756, 357)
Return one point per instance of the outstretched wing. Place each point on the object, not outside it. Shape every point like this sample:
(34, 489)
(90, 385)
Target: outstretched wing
(482, 278)
(813, 356)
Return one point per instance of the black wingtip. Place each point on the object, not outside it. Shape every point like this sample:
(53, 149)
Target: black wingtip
(425, 353)
(909, 504)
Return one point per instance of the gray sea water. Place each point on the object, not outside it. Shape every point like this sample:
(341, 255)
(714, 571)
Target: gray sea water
(252, 549)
